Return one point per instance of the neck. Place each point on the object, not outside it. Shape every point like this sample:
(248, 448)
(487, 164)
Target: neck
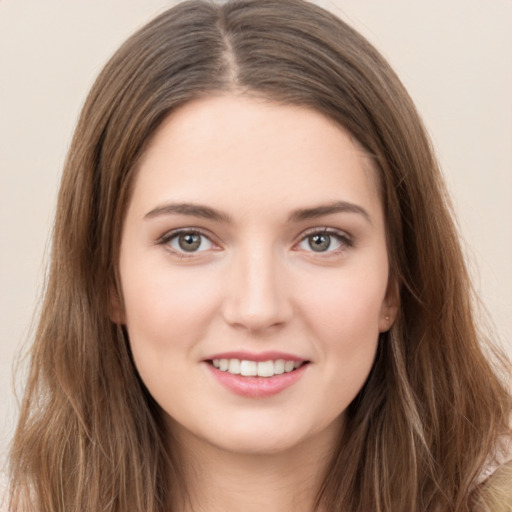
(218, 480)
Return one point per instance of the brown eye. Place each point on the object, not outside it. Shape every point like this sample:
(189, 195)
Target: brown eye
(325, 240)
(189, 242)
(320, 242)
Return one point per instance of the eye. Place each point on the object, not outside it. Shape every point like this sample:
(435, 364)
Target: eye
(325, 241)
(189, 241)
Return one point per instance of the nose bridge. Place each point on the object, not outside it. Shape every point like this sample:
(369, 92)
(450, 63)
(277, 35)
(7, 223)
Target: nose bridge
(256, 297)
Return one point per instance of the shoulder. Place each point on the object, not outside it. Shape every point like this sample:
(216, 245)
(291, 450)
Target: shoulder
(494, 494)
(502, 457)
(493, 489)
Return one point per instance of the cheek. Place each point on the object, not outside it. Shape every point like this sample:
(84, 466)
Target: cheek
(168, 308)
(167, 316)
(346, 303)
(342, 315)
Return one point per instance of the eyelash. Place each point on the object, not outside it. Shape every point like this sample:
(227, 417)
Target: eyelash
(172, 235)
(345, 240)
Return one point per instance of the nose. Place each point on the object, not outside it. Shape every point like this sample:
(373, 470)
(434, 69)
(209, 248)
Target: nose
(256, 294)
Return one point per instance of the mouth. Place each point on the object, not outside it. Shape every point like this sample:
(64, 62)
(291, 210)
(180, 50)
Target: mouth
(257, 375)
(250, 368)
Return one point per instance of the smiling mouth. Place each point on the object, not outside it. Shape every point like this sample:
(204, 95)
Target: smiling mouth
(247, 368)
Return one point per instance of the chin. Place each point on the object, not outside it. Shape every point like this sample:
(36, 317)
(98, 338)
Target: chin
(272, 438)
(258, 444)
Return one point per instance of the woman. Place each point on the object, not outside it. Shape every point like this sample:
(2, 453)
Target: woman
(257, 297)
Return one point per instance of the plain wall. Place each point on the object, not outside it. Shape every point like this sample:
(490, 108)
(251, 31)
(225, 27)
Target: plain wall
(454, 56)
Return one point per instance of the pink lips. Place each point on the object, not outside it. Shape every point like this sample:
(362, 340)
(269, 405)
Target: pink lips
(256, 387)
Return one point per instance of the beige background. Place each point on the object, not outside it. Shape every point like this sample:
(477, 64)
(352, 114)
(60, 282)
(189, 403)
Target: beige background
(453, 55)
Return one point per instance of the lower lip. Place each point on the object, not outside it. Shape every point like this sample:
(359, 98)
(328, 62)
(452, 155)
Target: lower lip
(257, 387)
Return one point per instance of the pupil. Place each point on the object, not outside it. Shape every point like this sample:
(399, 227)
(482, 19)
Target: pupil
(189, 242)
(320, 243)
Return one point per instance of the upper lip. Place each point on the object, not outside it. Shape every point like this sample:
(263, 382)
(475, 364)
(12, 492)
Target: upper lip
(259, 356)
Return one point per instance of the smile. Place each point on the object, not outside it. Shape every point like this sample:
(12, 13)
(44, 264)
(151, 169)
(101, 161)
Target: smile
(247, 368)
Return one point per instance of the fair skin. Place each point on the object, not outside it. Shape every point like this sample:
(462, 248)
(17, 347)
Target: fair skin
(254, 233)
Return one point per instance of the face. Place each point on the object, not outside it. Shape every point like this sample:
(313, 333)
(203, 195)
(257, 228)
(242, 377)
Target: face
(254, 273)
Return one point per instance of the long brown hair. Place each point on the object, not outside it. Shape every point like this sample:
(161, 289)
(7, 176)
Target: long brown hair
(433, 411)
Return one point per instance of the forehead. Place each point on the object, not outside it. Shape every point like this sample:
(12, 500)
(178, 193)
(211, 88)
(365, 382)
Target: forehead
(242, 152)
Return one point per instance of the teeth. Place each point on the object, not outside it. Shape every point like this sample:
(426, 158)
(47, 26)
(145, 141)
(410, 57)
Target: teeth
(266, 369)
(289, 366)
(234, 366)
(279, 366)
(256, 369)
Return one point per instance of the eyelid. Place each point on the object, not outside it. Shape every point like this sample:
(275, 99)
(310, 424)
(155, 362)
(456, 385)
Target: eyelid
(170, 235)
(344, 238)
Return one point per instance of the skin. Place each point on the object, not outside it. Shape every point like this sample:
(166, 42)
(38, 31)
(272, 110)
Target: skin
(254, 284)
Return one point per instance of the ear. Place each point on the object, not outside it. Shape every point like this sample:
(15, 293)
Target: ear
(116, 309)
(390, 306)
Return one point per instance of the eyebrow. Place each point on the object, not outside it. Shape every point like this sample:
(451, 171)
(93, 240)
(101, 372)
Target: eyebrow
(328, 209)
(193, 210)
(206, 212)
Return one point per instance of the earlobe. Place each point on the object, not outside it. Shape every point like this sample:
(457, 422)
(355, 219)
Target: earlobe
(116, 308)
(387, 320)
(390, 306)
